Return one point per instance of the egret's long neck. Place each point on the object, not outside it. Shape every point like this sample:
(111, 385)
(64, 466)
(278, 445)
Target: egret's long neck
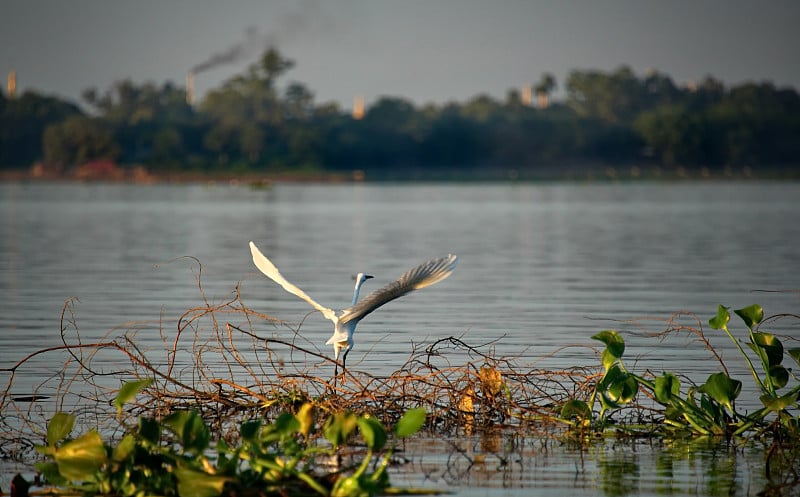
(359, 282)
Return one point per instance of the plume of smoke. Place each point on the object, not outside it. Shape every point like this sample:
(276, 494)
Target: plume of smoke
(309, 18)
(253, 43)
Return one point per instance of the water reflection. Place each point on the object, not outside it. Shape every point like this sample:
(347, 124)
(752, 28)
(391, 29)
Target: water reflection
(499, 463)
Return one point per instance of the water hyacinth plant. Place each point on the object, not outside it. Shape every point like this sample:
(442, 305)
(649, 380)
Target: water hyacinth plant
(708, 409)
(175, 456)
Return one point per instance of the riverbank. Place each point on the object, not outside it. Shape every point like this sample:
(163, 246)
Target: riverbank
(110, 172)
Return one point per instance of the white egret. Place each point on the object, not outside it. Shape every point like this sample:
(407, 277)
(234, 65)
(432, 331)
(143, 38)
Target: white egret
(345, 321)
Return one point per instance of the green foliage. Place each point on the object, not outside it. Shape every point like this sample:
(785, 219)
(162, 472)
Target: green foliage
(252, 123)
(175, 457)
(708, 409)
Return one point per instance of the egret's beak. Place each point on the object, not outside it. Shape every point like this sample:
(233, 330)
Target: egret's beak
(368, 276)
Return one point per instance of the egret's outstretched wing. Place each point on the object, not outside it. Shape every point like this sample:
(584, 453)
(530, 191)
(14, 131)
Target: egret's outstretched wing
(425, 274)
(270, 271)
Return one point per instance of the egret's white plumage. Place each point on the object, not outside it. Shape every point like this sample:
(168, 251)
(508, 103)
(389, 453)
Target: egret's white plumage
(345, 321)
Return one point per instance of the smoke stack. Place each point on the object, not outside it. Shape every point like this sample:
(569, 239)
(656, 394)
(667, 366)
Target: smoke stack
(527, 95)
(358, 107)
(190, 88)
(12, 83)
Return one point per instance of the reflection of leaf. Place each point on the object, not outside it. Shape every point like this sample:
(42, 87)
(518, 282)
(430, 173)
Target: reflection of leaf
(722, 388)
(751, 315)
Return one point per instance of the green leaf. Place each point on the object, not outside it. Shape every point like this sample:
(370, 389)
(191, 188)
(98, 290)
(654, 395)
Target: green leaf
(249, 430)
(59, 427)
(615, 344)
(771, 345)
(751, 315)
(411, 422)
(149, 430)
(779, 376)
(795, 354)
(190, 429)
(124, 448)
(575, 409)
(286, 425)
(129, 390)
(193, 483)
(779, 403)
(305, 417)
(720, 321)
(722, 388)
(372, 431)
(625, 390)
(80, 459)
(667, 387)
(339, 427)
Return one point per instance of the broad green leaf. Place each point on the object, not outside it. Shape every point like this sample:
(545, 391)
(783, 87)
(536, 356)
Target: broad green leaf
(720, 321)
(129, 390)
(372, 431)
(193, 483)
(779, 403)
(779, 376)
(751, 315)
(624, 390)
(249, 429)
(305, 417)
(124, 448)
(575, 409)
(190, 429)
(50, 473)
(722, 388)
(667, 387)
(149, 430)
(286, 425)
(339, 427)
(80, 459)
(59, 427)
(615, 344)
(771, 345)
(411, 422)
(795, 353)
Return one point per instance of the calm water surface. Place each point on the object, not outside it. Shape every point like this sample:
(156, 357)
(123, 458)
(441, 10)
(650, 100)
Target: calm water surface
(541, 266)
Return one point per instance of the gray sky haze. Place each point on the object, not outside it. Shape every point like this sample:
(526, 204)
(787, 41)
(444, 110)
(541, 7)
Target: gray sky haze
(426, 51)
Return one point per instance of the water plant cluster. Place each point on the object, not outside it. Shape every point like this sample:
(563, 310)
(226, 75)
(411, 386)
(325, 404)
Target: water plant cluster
(175, 456)
(226, 410)
(710, 408)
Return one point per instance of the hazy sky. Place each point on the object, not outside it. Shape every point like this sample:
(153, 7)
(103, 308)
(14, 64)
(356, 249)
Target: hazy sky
(424, 50)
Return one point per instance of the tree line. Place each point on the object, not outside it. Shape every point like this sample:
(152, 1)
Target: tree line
(251, 123)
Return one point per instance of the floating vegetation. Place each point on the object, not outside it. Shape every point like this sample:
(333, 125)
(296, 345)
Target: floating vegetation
(222, 408)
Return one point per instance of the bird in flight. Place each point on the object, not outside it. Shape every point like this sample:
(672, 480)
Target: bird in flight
(345, 321)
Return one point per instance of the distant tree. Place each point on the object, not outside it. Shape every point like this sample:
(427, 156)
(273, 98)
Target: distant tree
(543, 89)
(22, 123)
(77, 140)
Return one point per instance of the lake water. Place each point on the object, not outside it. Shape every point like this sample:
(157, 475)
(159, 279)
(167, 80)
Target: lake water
(541, 266)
